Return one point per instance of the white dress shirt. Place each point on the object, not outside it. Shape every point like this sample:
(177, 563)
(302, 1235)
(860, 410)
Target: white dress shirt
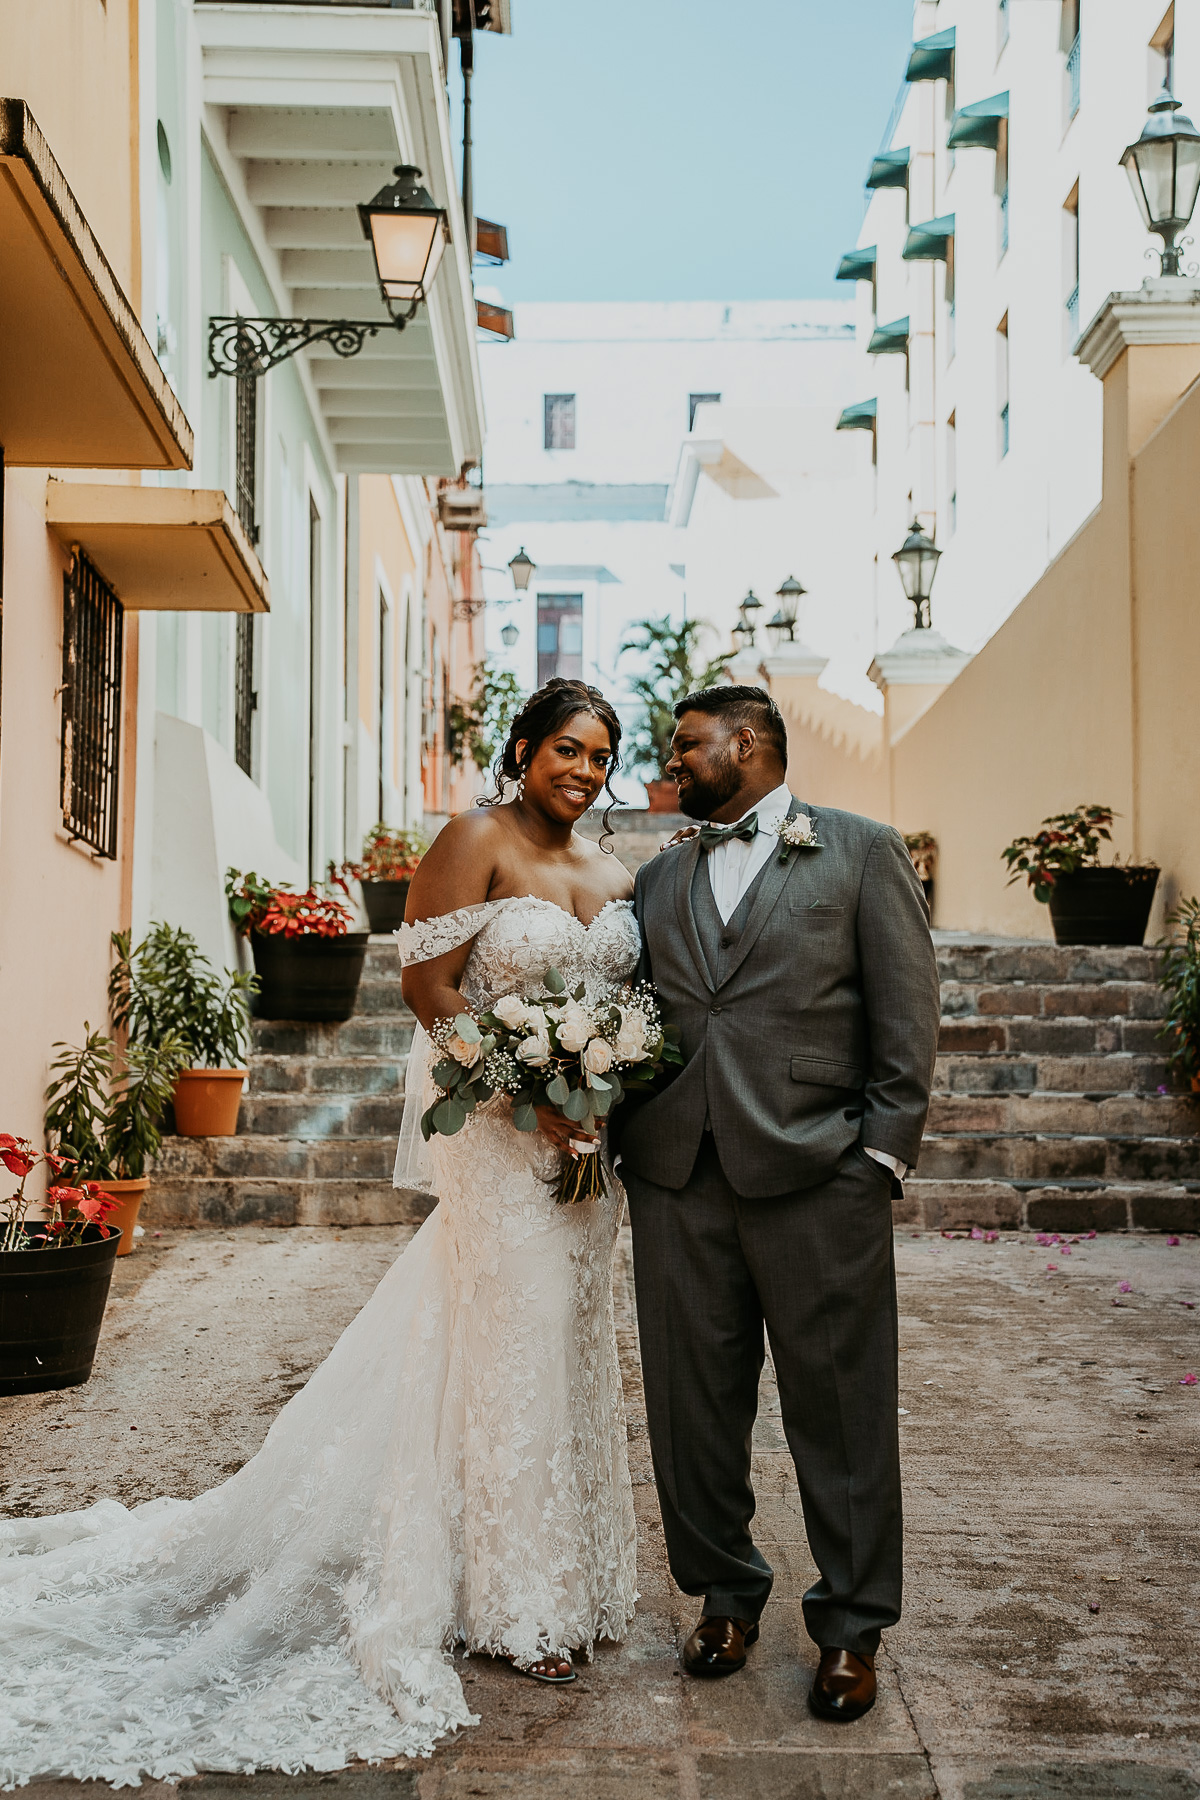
(733, 865)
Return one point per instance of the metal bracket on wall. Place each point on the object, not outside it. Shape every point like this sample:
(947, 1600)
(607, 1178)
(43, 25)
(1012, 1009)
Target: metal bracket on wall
(243, 347)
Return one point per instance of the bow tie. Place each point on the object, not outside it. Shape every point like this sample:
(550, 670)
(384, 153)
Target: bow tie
(712, 835)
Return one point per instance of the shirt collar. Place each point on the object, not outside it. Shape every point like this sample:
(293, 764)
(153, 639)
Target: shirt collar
(771, 808)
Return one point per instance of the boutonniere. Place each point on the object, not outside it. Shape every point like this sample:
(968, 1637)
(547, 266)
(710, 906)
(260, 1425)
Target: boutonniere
(796, 833)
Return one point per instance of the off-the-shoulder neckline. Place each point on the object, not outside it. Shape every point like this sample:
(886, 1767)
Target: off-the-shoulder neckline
(520, 900)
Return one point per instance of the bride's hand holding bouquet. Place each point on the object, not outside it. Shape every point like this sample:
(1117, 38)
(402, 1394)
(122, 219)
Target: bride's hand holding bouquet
(560, 1054)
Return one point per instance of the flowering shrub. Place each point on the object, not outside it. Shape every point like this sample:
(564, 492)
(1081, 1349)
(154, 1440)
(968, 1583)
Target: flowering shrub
(1066, 842)
(388, 854)
(276, 910)
(69, 1211)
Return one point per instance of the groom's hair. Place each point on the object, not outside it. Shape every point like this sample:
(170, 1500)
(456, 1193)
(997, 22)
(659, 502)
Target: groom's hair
(739, 707)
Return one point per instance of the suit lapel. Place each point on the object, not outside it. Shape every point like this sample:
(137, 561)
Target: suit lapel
(685, 869)
(775, 878)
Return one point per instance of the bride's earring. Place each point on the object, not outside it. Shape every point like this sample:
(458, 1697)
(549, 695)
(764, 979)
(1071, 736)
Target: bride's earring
(520, 787)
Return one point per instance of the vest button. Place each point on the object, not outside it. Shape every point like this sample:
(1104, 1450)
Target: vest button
(714, 1009)
(726, 942)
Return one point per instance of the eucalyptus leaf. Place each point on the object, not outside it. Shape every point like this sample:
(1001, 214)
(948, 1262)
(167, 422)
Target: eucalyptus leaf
(557, 1090)
(444, 1072)
(467, 1029)
(553, 982)
(524, 1117)
(602, 1105)
(449, 1117)
(576, 1106)
(598, 1081)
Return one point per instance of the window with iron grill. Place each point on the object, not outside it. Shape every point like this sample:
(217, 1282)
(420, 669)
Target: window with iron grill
(93, 634)
(558, 421)
(246, 460)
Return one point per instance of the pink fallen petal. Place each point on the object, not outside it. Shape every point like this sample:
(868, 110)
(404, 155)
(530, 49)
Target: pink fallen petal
(1043, 1239)
(1172, 1240)
(1066, 1249)
(1091, 1234)
(1188, 1380)
(1190, 1304)
(977, 1234)
(1093, 1606)
(1125, 1287)
(991, 1237)
(1052, 1268)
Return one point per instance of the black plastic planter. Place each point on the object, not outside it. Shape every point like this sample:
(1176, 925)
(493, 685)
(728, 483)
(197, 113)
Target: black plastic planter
(385, 902)
(1102, 906)
(311, 978)
(51, 1309)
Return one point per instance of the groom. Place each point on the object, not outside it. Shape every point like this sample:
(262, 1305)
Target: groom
(791, 947)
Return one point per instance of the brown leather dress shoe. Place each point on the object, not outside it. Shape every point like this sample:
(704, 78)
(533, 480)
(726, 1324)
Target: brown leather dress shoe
(844, 1685)
(718, 1646)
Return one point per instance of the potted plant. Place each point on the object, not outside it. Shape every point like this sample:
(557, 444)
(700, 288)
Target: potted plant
(1088, 904)
(166, 984)
(389, 861)
(56, 1265)
(308, 961)
(477, 724)
(1179, 978)
(671, 670)
(104, 1114)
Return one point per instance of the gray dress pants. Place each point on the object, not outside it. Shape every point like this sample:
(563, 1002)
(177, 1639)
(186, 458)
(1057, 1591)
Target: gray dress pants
(817, 1267)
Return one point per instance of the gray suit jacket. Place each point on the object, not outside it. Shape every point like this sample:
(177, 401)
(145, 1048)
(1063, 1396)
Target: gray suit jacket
(823, 1030)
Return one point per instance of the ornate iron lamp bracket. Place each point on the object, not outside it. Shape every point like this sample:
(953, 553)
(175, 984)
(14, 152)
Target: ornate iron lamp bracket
(249, 347)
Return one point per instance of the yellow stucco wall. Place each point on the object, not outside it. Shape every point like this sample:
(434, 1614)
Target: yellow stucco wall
(383, 548)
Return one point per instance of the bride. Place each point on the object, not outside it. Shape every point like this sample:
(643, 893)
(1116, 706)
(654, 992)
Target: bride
(454, 1474)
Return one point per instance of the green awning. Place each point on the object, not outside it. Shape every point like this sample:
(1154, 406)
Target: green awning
(889, 340)
(978, 126)
(890, 169)
(929, 242)
(857, 265)
(858, 418)
(932, 58)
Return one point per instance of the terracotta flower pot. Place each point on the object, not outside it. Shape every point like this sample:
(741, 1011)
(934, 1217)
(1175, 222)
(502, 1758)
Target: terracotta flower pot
(207, 1101)
(663, 796)
(128, 1196)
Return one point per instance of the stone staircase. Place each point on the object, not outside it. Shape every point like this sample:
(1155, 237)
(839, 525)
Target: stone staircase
(317, 1129)
(1047, 1111)
(1050, 1106)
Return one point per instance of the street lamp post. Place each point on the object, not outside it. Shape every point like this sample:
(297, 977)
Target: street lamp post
(408, 234)
(916, 564)
(1164, 172)
(743, 631)
(521, 567)
(782, 627)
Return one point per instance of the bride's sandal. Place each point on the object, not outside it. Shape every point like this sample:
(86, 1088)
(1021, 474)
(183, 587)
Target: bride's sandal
(550, 1670)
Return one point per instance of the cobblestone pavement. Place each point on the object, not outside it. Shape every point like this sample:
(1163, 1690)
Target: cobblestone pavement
(1049, 1644)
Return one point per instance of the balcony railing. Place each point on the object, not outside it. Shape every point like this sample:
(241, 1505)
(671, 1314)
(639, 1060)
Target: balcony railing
(1072, 307)
(1004, 429)
(1003, 222)
(1073, 78)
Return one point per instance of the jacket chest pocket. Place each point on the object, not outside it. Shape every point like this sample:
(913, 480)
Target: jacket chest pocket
(816, 917)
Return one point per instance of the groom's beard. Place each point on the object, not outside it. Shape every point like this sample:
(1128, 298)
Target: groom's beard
(705, 793)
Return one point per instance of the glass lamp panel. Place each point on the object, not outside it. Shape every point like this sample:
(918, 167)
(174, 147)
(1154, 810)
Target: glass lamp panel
(1139, 193)
(1187, 178)
(928, 569)
(408, 250)
(1155, 161)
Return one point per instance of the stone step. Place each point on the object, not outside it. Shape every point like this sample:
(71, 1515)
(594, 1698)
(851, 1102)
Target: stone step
(1043, 1000)
(310, 1116)
(1050, 1037)
(1062, 1156)
(384, 1035)
(280, 1181)
(1050, 1205)
(1015, 960)
(994, 1072)
(325, 1075)
(1091, 1115)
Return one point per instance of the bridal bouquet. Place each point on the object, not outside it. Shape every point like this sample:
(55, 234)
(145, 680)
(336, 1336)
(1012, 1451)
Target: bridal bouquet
(556, 1049)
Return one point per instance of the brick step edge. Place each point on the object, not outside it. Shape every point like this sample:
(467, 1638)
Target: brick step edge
(198, 1201)
(1049, 1206)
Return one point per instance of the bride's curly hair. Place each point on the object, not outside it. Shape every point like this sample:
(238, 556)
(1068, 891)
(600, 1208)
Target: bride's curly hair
(543, 715)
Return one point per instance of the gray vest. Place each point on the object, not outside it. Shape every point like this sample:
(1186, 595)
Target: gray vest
(718, 937)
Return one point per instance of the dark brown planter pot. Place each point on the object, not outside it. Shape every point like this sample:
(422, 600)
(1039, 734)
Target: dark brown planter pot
(206, 1102)
(51, 1309)
(1102, 906)
(385, 902)
(313, 979)
(663, 796)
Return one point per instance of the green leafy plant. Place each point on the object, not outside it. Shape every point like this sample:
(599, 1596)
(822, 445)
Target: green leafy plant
(166, 984)
(477, 727)
(1179, 978)
(104, 1109)
(389, 853)
(1066, 842)
(673, 667)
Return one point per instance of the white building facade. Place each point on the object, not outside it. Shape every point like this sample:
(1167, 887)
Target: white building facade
(661, 460)
(997, 220)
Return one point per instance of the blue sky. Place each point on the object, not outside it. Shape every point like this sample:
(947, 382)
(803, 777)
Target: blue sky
(681, 149)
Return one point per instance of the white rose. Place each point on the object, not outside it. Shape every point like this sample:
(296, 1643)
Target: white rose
(629, 1049)
(462, 1052)
(535, 1050)
(511, 1011)
(575, 1028)
(597, 1058)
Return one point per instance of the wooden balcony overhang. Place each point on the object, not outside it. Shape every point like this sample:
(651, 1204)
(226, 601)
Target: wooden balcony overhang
(162, 549)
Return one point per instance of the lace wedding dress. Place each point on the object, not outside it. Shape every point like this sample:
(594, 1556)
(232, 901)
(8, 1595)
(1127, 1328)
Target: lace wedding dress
(453, 1474)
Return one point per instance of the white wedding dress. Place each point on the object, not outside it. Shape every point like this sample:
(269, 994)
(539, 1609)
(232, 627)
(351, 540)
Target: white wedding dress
(453, 1474)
